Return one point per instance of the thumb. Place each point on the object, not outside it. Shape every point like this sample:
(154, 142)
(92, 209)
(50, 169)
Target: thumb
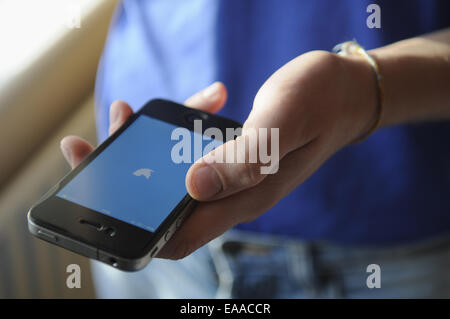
(234, 166)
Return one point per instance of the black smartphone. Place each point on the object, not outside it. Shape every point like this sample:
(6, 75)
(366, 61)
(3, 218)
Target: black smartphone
(128, 197)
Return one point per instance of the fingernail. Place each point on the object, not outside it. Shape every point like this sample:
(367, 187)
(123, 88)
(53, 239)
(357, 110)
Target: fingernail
(206, 182)
(67, 154)
(212, 92)
(114, 116)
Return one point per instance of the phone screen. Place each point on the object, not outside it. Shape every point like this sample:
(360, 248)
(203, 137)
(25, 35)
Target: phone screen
(135, 178)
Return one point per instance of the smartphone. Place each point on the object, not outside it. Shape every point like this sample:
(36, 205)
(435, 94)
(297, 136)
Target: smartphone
(128, 197)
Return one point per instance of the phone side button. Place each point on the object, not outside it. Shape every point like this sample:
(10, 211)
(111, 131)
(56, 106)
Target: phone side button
(46, 235)
(179, 222)
(168, 235)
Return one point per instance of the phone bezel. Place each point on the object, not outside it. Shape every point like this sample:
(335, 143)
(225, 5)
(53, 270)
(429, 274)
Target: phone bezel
(125, 243)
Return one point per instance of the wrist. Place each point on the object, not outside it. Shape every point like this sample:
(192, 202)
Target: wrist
(363, 98)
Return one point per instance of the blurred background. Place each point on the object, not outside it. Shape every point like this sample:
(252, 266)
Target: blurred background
(49, 51)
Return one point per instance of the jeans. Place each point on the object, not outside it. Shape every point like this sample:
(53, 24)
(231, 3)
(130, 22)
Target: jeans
(246, 265)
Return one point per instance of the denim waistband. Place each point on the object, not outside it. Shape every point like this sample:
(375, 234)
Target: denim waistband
(237, 241)
(287, 263)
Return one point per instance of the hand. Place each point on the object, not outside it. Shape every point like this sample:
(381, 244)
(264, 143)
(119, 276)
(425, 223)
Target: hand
(320, 102)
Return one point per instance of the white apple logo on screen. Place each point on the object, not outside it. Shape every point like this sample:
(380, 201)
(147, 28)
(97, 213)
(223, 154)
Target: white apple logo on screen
(146, 172)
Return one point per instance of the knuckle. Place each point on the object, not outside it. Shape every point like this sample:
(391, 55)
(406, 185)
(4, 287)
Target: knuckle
(249, 174)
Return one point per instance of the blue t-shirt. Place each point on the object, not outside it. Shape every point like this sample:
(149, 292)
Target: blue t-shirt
(391, 188)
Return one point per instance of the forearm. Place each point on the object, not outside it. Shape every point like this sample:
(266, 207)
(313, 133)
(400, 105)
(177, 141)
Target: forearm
(416, 75)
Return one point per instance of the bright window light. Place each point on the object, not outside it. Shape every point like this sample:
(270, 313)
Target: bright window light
(28, 29)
